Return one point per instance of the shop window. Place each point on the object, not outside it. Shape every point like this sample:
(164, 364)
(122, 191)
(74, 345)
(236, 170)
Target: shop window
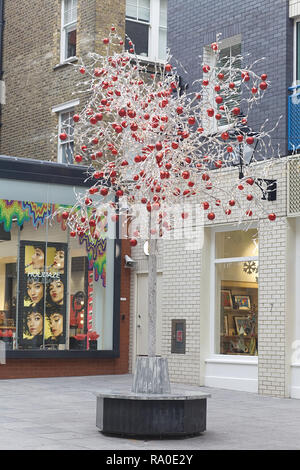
(43, 278)
(236, 284)
(51, 295)
(68, 29)
(146, 26)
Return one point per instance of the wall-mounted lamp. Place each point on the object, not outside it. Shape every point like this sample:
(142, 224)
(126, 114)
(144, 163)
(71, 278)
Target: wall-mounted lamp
(244, 157)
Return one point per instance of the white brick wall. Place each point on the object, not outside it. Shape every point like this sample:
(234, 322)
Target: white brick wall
(181, 300)
(272, 366)
(182, 273)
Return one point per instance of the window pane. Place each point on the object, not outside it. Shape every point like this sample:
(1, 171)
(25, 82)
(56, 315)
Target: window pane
(42, 308)
(8, 284)
(237, 244)
(138, 34)
(52, 268)
(237, 308)
(144, 10)
(71, 44)
(298, 52)
(162, 46)
(236, 50)
(90, 305)
(144, 14)
(67, 124)
(78, 298)
(67, 146)
(224, 54)
(67, 153)
(229, 60)
(70, 11)
(163, 13)
(66, 11)
(74, 11)
(131, 9)
(31, 322)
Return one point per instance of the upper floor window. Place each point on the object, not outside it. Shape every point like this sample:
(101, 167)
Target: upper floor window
(66, 147)
(228, 63)
(65, 113)
(297, 27)
(146, 27)
(68, 29)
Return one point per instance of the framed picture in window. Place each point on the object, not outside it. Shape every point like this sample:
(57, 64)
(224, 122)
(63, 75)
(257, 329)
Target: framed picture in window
(243, 325)
(226, 299)
(242, 302)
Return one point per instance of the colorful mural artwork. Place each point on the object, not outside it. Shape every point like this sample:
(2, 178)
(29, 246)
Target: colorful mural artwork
(38, 213)
(12, 210)
(96, 250)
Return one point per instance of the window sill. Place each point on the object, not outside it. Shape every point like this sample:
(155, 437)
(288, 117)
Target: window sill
(236, 359)
(66, 62)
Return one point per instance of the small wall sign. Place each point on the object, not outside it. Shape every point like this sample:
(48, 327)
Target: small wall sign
(178, 336)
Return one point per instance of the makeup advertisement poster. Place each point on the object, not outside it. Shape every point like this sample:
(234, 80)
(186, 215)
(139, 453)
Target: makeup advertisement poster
(42, 298)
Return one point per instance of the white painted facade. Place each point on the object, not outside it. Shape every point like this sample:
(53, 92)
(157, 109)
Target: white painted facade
(188, 292)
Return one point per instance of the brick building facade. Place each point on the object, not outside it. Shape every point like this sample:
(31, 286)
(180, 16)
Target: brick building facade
(38, 83)
(36, 78)
(91, 300)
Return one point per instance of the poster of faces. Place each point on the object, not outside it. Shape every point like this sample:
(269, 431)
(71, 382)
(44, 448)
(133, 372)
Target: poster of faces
(42, 301)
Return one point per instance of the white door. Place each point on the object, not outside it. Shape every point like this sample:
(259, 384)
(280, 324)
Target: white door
(142, 315)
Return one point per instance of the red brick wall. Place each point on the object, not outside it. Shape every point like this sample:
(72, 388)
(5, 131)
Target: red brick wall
(33, 368)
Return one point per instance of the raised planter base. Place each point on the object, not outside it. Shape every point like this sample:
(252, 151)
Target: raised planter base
(153, 415)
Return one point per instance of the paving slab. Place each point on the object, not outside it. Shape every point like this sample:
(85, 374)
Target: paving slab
(60, 414)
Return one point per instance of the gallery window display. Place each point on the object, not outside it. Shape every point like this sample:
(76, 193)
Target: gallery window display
(56, 292)
(236, 280)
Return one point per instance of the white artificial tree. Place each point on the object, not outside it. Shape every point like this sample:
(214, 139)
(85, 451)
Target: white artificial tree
(150, 143)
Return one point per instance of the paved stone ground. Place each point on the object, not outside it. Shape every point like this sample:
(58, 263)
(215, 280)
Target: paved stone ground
(60, 413)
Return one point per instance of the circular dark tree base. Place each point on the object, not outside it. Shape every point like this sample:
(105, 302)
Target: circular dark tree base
(148, 415)
(151, 436)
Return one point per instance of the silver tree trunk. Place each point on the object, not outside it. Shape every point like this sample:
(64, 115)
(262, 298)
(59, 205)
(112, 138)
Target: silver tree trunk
(151, 372)
(152, 294)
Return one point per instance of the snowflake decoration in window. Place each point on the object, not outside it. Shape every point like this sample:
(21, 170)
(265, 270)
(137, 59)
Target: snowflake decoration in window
(250, 267)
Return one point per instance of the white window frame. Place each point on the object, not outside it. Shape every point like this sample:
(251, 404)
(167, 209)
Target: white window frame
(65, 29)
(209, 58)
(296, 22)
(153, 33)
(60, 109)
(213, 314)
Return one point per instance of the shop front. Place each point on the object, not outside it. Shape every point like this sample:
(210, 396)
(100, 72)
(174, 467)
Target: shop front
(59, 295)
(232, 360)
